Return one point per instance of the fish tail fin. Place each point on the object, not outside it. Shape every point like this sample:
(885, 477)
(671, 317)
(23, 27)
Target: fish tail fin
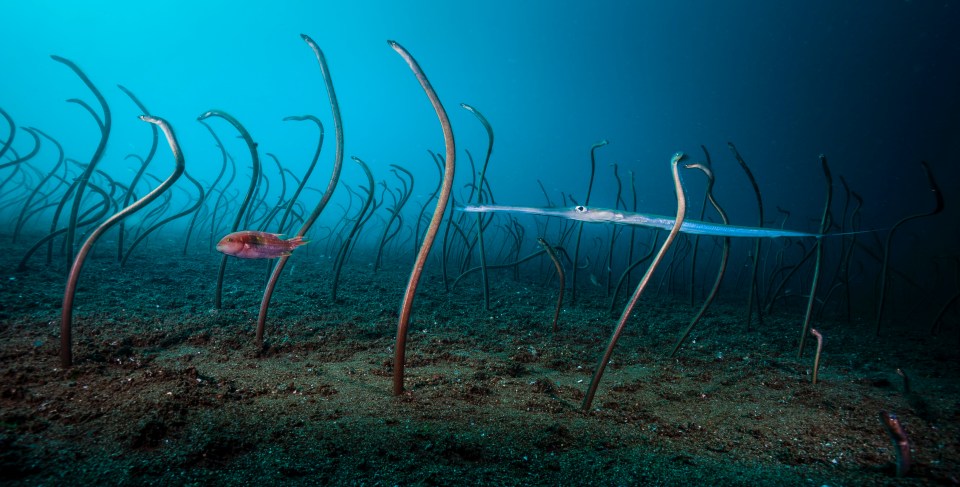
(297, 241)
(856, 232)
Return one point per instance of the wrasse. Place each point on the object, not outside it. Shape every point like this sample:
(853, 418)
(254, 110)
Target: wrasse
(258, 245)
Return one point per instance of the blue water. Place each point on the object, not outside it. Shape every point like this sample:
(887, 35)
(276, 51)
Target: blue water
(873, 86)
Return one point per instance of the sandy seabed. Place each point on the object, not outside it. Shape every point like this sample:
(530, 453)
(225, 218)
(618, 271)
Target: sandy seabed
(166, 390)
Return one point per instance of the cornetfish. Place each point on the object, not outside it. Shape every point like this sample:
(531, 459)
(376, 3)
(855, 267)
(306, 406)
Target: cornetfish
(606, 215)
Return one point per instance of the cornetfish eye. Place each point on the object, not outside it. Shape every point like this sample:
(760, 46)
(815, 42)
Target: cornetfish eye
(581, 209)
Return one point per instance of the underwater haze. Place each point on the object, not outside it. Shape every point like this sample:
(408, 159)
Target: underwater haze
(166, 379)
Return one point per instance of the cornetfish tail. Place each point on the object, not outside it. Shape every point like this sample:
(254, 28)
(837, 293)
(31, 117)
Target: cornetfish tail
(857, 232)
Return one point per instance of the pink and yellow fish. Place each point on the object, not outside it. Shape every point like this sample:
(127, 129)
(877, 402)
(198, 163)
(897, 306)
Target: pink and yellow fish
(249, 244)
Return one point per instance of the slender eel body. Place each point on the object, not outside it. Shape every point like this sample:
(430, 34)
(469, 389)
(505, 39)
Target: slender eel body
(644, 281)
(901, 444)
(606, 215)
(327, 193)
(406, 308)
(66, 319)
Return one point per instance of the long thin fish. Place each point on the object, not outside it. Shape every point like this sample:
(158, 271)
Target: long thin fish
(606, 215)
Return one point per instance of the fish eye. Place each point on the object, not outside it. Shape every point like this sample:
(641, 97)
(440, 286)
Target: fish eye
(581, 209)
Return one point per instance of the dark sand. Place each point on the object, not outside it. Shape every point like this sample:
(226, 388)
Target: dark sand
(167, 391)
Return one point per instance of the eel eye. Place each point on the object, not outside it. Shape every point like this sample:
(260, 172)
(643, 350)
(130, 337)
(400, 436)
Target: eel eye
(581, 209)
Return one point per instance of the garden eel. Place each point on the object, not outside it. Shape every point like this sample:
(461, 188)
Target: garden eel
(606, 215)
